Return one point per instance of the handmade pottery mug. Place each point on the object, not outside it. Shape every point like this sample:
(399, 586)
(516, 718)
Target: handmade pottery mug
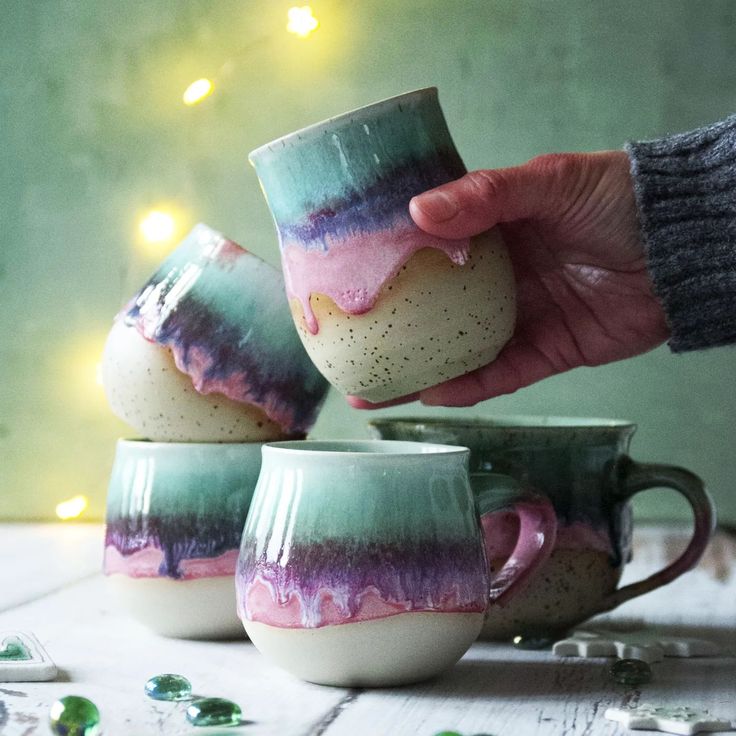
(207, 351)
(583, 466)
(383, 308)
(175, 515)
(362, 562)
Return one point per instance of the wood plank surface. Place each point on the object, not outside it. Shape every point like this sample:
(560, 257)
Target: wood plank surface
(51, 586)
(38, 558)
(107, 657)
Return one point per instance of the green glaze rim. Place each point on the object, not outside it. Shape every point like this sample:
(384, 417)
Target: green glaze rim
(142, 444)
(316, 129)
(512, 421)
(374, 449)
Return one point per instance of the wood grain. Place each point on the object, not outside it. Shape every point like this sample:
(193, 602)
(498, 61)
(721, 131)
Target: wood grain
(51, 586)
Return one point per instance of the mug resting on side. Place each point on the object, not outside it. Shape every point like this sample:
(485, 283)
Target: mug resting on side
(207, 351)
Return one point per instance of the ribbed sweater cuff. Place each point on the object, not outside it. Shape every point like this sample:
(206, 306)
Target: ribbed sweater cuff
(685, 189)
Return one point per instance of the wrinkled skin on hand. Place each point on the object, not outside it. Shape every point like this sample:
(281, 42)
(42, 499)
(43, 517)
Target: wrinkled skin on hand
(585, 297)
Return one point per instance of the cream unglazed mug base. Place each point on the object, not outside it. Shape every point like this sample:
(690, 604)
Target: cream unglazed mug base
(383, 308)
(433, 321)
(362, 563)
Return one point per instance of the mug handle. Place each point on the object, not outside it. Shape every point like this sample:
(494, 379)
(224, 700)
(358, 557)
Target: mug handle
(537, 529)
(637, 477)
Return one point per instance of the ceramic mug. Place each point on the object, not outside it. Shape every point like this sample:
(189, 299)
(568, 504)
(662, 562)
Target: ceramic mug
(206, 351)
(583, 466)
(175, 515)
(383, 308)
(362, 562)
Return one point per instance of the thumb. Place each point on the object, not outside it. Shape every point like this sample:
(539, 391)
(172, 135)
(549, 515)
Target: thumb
(481, 199)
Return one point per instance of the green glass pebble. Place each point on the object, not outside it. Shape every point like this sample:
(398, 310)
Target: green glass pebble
(169, 687)
(74, 716)
(631, 672)
(448, 733)
(214, 712)
(532, 642)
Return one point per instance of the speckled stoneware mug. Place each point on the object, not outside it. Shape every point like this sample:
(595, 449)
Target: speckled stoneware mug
(362, 562)
(206, 351)
(583, 466)
(383, 308)
(175, 515)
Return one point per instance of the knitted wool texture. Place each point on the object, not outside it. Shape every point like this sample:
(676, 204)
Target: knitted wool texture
(685, 189)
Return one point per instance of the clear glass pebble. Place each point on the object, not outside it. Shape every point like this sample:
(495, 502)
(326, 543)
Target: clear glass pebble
(532, 642)
(214, 712)
(169, 687)
(74, 716)
(631, 672)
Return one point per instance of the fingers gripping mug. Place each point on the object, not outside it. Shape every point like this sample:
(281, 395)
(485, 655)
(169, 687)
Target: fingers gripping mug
(583, 466)
(362, 562)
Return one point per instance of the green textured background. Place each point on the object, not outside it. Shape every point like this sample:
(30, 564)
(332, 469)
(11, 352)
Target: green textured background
(93, 133)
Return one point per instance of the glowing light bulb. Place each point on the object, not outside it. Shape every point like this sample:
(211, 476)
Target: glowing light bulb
(157, 226)
(301, 21)
(197, 91)
(72, 508)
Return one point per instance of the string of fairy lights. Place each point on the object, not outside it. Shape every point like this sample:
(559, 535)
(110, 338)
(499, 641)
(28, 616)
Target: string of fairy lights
(157, 228)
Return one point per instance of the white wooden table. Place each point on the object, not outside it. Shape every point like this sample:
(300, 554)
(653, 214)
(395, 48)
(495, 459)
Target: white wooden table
(50, 584)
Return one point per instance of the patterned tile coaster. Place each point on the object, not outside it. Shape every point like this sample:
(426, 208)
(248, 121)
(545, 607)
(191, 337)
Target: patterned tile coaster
(679, 720)
(23, 659)
(645, 644)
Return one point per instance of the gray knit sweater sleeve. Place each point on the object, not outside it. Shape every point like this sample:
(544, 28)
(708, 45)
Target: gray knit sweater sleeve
(686, 193)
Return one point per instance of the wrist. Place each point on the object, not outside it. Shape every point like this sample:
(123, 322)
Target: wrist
(684, 187)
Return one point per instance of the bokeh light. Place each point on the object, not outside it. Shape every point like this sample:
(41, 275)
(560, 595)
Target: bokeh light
(197, 91)
(158, 226)
(72, 508)
(301, 21)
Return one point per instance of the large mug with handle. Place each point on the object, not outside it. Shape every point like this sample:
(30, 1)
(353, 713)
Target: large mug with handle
(363, 562)
(584, 467)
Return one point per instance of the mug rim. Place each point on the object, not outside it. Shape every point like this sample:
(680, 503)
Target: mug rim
(140, 443)
(362, 448)
(511, 421)
(316, 128)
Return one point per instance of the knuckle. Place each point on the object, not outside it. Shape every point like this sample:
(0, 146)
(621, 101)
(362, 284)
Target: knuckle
(561, 166)
(564, 174)
(483, 184)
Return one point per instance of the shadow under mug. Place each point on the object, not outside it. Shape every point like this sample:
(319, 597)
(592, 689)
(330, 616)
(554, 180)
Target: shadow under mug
(583, 466)
(362, 562)
(175, 516)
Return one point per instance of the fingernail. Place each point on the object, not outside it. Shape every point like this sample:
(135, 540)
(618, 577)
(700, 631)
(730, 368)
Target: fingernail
(436, 205)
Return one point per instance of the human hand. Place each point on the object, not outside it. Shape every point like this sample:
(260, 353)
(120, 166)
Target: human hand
(583, 292)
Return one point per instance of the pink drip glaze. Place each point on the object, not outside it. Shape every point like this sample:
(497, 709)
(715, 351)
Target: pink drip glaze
(329, 608)
(147, 562)
(502, 529)
(236, 387)
(354, 270)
